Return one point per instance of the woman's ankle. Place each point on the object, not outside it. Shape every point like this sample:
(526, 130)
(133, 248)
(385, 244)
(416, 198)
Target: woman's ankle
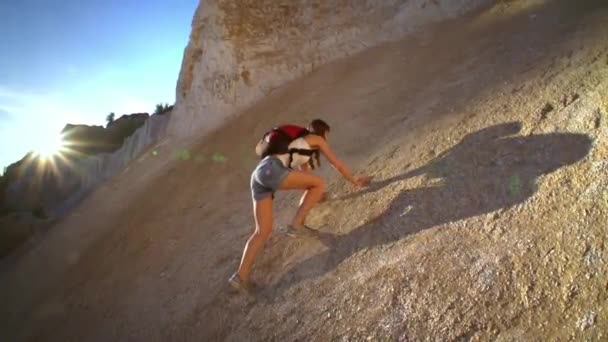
(244, 277)
(297, 225)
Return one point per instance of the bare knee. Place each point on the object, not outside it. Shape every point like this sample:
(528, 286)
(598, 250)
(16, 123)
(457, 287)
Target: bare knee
(318, 185)
(261, 234)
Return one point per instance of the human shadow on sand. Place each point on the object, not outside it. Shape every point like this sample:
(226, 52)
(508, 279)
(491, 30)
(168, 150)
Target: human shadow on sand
(488, 170)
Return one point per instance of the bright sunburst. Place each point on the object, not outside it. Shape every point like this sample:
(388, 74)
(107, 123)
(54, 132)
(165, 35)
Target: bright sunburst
(49, 146)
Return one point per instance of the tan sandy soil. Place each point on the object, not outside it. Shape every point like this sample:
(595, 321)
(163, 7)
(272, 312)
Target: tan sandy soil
(488, 139)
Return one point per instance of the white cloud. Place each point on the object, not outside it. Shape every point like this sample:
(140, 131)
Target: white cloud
(6, 92)
(5, 117)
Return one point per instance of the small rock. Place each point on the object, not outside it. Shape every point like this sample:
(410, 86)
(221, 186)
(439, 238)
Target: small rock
(586, 321)
(548, 108)
(568, 99)
(406, 210)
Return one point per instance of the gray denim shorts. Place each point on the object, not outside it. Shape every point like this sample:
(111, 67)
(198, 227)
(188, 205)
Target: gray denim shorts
(267, 177)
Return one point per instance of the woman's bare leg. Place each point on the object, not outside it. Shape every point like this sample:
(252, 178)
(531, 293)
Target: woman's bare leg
(304, 168)
(302, 198)
(262, 211)
(314, 186)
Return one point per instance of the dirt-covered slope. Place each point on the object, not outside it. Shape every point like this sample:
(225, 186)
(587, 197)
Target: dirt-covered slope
(488, 139)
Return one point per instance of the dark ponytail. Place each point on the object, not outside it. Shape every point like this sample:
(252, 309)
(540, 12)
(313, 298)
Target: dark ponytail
(318, 127)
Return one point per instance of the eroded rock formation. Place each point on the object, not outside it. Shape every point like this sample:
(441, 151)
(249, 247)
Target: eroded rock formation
(240, 51)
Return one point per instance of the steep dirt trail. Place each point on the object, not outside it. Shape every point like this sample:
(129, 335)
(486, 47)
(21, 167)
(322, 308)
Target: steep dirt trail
(488, 139)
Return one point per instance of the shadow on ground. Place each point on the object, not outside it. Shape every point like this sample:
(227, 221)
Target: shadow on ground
(488, 170)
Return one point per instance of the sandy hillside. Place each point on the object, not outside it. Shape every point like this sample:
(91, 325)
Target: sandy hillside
(488, 138)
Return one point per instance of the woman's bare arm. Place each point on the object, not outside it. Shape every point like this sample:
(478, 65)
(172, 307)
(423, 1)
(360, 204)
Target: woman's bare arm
(323, 146)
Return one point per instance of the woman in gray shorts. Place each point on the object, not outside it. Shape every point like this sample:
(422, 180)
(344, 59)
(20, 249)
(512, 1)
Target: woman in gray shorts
(271, 175)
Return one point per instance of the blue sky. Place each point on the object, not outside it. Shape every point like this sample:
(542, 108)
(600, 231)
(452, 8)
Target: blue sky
(78, 60)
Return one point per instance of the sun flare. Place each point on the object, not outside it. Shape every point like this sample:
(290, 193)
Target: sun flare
(50, 146)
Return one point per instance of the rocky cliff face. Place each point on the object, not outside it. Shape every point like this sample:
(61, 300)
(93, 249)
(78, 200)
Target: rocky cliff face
(90, 140)
(240, 51)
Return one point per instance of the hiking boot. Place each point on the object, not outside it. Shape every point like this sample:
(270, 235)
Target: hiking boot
(243, 286)
(304, 231)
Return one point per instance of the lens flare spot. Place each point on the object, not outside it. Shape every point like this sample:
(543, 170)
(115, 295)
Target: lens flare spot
(515, 185)
(218, 157)
(184, 155)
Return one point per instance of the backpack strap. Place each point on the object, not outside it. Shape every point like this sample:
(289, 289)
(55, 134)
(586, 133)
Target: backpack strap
(314, 162)
(304, 152)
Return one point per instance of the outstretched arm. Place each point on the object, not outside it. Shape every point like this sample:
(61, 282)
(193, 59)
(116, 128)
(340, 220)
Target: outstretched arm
(321, 144)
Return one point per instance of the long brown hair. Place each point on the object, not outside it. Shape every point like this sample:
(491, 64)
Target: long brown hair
(320, 128)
